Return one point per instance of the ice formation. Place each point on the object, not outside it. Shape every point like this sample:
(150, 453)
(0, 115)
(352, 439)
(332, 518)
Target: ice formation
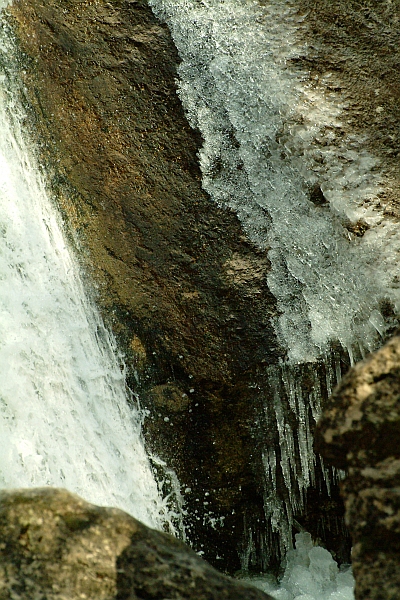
(307, 191)
(310, 574)
(270, 136)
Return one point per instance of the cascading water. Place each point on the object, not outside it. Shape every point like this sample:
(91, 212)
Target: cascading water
(307, 191)
(66, 416)
(270, 138)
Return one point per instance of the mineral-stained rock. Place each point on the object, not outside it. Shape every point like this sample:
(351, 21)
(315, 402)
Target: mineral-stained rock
(182, 288)
(56, 546)
(360, 431)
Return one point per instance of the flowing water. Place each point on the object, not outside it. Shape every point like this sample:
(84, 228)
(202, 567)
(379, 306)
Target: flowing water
(66, 416)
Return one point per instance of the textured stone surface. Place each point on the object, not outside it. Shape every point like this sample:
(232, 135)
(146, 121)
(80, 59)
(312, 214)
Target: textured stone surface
(176, 279)
(360, 425)
(358, 45)
(360, 431)
(56, 546)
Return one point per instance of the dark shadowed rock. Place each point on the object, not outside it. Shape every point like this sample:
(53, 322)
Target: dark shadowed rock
(56, 546)
(360, 431)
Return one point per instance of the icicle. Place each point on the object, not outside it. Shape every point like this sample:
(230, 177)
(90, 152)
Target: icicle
(258, 113)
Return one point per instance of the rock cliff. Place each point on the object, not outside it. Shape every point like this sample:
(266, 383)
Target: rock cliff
(358, 44)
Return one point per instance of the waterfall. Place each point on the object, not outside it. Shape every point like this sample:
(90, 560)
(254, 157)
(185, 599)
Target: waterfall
(307, 191)
(66, 416)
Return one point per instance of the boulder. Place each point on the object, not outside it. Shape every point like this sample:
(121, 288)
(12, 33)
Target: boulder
(360, 432)
(56, 546)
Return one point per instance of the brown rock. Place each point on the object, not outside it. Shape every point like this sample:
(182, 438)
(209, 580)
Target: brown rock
(358, 45)
(361, 423)
(176, 279)
(360, 431)
(54, 545)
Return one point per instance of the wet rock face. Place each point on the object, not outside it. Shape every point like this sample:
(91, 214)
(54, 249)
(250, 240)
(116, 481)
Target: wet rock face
(180, 285)
(176, 279)
(55, 545)
(360, 431)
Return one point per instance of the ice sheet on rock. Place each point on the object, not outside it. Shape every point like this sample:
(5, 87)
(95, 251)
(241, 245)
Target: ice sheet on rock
(306, 191)
(270, 135)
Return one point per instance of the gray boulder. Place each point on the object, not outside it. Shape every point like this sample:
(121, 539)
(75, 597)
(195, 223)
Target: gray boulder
(360, 431)
(56, 546)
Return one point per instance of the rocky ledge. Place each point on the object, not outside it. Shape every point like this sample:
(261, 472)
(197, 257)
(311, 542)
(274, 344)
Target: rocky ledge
(360, 432)
(54, 545)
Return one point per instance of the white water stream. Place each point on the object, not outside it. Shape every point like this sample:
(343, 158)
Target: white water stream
(64, 414)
